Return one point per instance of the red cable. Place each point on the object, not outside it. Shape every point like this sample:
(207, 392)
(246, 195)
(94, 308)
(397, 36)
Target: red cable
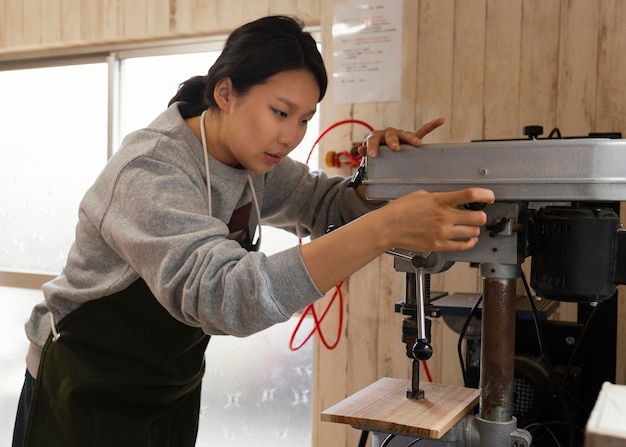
(331, 127)
(427, 372)
(338, 294)
(311, 308)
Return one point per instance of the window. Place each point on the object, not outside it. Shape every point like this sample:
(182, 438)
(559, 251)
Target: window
(53, 146)
(61, 124)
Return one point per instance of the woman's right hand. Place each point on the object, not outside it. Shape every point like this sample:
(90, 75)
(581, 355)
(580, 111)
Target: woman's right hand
(420, 221)
(435, 222)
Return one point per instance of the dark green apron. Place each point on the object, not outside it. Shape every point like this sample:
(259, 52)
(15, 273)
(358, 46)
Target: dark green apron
(123, 373)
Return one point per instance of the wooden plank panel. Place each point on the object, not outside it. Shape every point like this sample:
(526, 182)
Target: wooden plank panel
(329, 381)
(362, 326)
(502, 69)
(577, 67)
(3, 25)
(71, 20)
(32, 13)
(51, 24)
(157, 17)
(13, 23)
(392, 360)
(112, 22)
(181, 16)
(299, 8)
(206, 15)
(539, 64)
(466, 112)
(232, 13)
(434, 64)
(610, 109)
(134, 13)
(91, 20)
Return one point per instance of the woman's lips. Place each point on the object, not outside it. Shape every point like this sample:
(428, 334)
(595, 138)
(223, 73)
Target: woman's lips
(272, 158)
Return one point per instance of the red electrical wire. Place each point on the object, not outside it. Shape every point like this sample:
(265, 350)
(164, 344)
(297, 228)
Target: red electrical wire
(338, 295)
(331, 127)
(311, 309)
(427, 372)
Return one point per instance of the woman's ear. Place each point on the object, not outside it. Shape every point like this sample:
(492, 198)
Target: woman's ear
(224, 93)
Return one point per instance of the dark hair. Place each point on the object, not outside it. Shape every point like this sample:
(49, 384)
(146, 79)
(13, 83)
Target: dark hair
(255, 52)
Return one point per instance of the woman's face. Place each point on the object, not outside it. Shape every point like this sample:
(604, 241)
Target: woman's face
(263, 126)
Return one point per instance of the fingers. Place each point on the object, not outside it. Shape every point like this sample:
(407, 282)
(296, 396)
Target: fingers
(392, 137)
(427, 128)
(470, 195)
(439, 222)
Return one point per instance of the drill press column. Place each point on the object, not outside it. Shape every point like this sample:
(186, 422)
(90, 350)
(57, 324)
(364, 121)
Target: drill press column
(497, 350)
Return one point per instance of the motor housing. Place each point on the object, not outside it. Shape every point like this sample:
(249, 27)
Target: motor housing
(575, 253)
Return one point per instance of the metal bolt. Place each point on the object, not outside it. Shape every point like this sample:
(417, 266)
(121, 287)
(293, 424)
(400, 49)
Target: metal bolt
(570, 341)
(483, 172)
(518, 444)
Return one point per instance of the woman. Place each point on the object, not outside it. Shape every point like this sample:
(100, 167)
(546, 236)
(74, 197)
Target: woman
(165, 254)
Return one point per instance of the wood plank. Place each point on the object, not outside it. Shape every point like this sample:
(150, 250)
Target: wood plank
(232, 13)
(51, 24)
(610, 109)
(384, 407)
(362, 327)
(92, 13)
(434, 65)
(392, 360)
(32, 13)
(111, 20)
(467, 108)
(3, 24)
(158, 17)
(181, 16)
(134, 16)
(329, 381)
(539, 64)
(13, 23)
(578, 45)
(502, 69)
(71, 20)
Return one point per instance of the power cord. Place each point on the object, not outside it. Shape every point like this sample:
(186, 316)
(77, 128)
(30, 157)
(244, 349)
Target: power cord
(459, 346)
(550, 368)
(338, 294)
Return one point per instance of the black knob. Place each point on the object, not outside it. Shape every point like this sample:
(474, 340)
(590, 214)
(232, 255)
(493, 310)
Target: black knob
(475, 206)
(532, 131)
(422, 350)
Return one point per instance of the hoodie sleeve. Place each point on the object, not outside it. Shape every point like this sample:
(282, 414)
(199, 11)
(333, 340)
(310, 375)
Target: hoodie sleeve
(306, 202)
(156, 220)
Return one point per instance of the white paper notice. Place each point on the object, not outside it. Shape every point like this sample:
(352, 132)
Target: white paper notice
(367, 38)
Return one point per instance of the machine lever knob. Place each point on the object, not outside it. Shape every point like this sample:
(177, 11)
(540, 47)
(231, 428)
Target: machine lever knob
(422, 350)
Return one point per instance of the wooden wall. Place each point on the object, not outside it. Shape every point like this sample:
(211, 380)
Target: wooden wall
(488, 66)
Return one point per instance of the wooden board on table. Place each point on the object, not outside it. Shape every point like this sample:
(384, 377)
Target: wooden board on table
(384, 407)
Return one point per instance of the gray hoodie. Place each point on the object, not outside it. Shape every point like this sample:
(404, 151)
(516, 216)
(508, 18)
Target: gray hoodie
(146, 216)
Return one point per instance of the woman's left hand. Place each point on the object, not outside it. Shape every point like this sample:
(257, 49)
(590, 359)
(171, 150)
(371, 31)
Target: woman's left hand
(394, 137)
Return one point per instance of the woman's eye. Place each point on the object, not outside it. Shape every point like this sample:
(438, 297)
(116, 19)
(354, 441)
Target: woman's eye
(279, 112)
